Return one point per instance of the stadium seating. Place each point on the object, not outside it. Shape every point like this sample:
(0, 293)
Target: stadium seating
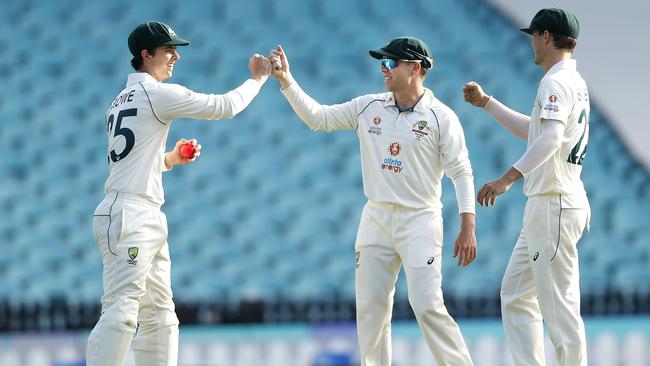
(270, 210)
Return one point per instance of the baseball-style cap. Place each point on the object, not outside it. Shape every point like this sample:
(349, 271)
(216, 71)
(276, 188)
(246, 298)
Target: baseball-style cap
(556, 21)
(406, 48)
(151, 35)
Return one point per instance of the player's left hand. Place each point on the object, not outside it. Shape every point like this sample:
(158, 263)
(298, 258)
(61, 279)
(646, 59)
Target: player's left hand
(465, 246)
(175, 158)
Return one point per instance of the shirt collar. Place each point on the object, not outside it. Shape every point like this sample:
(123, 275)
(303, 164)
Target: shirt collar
(421, 105)
(138, 77)
(568, 63)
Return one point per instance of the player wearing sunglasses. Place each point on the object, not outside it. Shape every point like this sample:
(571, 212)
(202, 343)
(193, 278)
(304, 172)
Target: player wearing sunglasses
(408, 140)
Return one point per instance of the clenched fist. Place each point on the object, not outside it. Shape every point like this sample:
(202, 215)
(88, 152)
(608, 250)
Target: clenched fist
(475, 95)
(260, 68)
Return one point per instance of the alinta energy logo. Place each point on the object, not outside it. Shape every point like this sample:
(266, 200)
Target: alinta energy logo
(390, 164)
(375, 130)
(551, 105)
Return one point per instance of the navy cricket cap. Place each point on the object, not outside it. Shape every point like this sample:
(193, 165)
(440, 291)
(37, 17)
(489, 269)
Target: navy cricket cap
(150, 35)
(406, 48)
(556, 21)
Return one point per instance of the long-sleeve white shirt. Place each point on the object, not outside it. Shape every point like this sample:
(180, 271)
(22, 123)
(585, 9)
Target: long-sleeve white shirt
(403, 155)
(138, 122)
(562, 96)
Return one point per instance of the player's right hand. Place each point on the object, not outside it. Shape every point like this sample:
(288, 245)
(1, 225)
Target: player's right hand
(475, 95)
(260, 68)
(280, 67)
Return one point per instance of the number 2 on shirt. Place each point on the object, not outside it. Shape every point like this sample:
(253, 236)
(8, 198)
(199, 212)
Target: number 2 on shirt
(128, 134)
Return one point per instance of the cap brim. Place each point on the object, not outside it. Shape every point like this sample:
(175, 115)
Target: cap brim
(177, 42)
(527, 30)
(379, 54)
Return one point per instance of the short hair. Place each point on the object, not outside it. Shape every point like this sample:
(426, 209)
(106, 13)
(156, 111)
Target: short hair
(137, 61)
(564, 42)
(561, 42)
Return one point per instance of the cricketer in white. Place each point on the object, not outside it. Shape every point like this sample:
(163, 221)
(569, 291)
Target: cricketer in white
(129, 227)
(542, 280)
(406, 146)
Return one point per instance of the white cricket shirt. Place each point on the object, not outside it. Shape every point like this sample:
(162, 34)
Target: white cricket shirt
(138, 121)
(403, 155)
(562, 96)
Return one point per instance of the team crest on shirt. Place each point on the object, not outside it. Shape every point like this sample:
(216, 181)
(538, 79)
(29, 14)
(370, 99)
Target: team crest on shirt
(375, 130)
(133, 254)
(393, 164)
(552, 99)
(418, 129)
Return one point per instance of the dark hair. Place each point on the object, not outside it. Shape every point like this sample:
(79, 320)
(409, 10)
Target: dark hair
(561, 42)
(137, 61)
(564, 42)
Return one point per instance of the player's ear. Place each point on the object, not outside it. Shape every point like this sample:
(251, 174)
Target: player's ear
(146, 56)
(416, 68)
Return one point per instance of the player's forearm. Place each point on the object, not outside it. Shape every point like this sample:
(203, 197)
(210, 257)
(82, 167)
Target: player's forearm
(168, 163)
(542, 149)
(464, 186)
(286, 82)
(309, 111)
(513, 121)
(467, 221)
(236, 100)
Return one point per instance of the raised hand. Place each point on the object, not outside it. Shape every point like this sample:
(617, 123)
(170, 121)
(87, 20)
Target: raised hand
(260, 68)
(280, 67)
(475, 95)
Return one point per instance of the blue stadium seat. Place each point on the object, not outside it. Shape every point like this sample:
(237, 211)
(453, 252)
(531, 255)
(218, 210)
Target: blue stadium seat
(275, 206)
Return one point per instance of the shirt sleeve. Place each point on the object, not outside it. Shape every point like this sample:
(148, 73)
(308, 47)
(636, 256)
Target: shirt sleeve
(172, 101)
(542, 148)
(455, 162)
(321, 117)
(554, 100)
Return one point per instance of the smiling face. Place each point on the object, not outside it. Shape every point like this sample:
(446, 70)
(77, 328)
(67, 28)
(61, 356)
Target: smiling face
(161, 64)
(398, 77)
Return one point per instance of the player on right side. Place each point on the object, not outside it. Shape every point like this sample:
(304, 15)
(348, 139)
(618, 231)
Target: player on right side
(542, 277)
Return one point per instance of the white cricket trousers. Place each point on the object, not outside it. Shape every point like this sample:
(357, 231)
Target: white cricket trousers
(541, 282)
(131, 234)
(390, 236)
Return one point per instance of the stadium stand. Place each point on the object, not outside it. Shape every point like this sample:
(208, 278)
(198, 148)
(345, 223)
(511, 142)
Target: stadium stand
(262, 226)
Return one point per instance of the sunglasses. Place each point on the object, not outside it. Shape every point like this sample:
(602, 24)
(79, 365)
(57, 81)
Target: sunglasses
(390, 64)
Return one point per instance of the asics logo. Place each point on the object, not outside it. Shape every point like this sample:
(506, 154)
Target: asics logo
(430, 261)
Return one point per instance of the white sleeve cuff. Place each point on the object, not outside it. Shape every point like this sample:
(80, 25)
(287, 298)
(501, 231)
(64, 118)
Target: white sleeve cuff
(464, 185)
